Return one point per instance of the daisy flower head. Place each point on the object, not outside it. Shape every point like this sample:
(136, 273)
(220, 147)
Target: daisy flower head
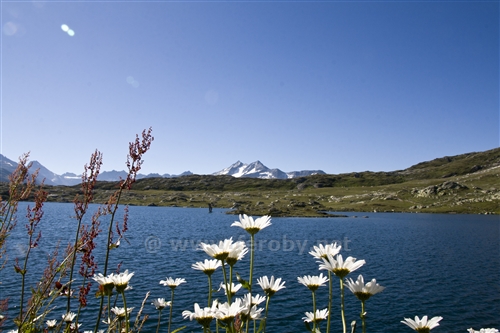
(218, 251)
(160, 303)
(253, 313)
(339, 267)
(106, 283)
(121, 280)
(120, 312)
(483, 330)
(422, 325)
(51, 323)
(270, 286)
(236, 252)
(74, 327)
(203, 316)
(233, 288)
(256, 300)
(313, 282)
(322, 251)
(316, 317)
(364, 291)
(68, 317)
(226, 312)
(252, 226)
(208, 266)
(172, 283)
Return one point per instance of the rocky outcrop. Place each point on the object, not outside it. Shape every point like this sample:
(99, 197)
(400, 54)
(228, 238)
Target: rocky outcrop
(441, 189)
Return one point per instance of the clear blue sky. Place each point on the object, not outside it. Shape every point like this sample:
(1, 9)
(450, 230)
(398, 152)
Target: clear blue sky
(338, 86)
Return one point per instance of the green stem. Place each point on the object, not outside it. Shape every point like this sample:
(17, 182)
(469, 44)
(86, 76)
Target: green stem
(171, 307)
(363, 316)
(73, 259)
(225, 282)
(110, 230)
(109, 307)
(158, 326)
(330, 287)
(252, 250)
(268, 298)
(342, 304)
(23, 274)
(314, 309)
(127, 324)
(210, 290)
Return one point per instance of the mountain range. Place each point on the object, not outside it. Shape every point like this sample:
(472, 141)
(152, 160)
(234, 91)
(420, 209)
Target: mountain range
(238, 170)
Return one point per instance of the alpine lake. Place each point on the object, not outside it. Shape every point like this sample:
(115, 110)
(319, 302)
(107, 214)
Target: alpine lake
(431, 264)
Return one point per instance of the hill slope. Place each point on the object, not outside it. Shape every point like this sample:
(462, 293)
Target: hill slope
(467, 183)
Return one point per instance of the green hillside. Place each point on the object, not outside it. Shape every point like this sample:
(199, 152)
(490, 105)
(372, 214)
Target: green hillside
(468, 183)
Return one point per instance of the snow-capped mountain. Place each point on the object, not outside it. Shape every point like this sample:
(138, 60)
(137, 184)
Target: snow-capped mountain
(259, 170)
(238, 169)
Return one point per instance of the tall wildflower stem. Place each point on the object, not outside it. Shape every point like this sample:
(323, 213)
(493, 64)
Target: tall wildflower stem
(330, 298)
(158, 325)
(134, 161)
(314, 309)
(342, 312)
(73, 259)
(209, 290)
(127, 324)
(268, 298)
(252, 249)
(171, 308)
(89, 179)
(225, 282)
(362, 315)
(34, 215)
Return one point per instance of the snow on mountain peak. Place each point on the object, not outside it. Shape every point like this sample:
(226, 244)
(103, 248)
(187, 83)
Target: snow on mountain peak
(258, 170)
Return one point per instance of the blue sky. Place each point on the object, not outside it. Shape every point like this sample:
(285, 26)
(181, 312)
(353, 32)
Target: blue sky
(338, 86)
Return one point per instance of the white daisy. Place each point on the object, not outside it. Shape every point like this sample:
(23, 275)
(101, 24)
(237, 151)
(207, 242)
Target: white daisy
(218, 251)
(208, 266)
(120, 312)
(51, 323)
(322, 251)
(252, 226)
(340, 267)
(121, 280)
(172, 283)
(226, 312)
(422, 325)
(68, 317)
(271, 286)
(203, 316)
(364, 291)
(313, 282)
(236, 252)
(160, 303)
(233, 288)
(315, 317)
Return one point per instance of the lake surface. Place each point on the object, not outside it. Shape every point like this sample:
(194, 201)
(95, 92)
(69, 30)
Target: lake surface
(430, 264)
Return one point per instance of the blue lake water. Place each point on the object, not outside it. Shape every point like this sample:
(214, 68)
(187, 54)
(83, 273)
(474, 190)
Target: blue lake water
(430, 264)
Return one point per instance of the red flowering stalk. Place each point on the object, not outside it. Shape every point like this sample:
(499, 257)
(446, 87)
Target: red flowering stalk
(89, 179)
(134, 162)
(20, 186)
(88, 264)
(34, 216)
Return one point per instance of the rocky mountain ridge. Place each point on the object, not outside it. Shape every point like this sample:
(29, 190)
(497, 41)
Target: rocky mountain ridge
(258, 170)
(238, 169)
